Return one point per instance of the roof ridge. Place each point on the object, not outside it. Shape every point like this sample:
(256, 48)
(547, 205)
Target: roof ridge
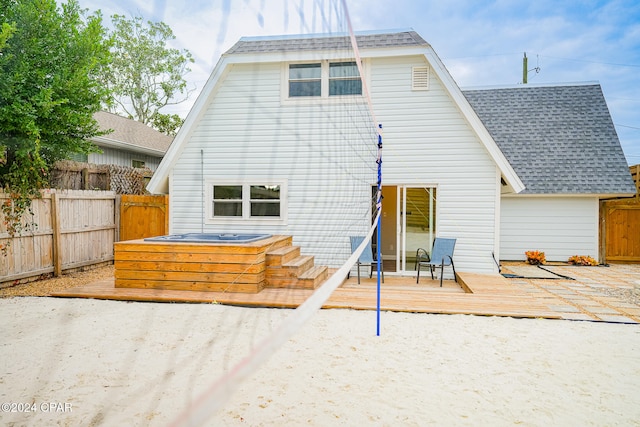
(306, 42)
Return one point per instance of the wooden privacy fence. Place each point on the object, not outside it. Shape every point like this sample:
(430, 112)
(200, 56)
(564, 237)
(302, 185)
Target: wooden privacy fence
(71, 229)
(76, 228)
(620, 226)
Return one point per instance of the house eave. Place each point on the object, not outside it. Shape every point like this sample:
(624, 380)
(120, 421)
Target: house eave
(324, 54)
(601, 196)
(112, 143)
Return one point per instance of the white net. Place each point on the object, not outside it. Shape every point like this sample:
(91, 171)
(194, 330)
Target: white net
(290, 115)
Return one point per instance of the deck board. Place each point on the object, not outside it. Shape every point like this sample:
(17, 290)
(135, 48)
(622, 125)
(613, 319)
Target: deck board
(489, 295)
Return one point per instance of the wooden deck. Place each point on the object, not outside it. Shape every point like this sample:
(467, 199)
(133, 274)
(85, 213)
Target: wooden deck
(225, 267)
(479, 294)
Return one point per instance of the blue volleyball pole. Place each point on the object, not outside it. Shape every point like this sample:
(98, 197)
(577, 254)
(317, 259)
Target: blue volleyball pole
(379, 226)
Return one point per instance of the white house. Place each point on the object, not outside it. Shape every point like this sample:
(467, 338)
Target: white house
(270, 145)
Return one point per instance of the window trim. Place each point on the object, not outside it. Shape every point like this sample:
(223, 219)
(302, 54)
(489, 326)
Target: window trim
(324, 84)
(246, 218)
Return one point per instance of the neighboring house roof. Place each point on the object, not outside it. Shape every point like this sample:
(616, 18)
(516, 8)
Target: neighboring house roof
(130, 135)
(559, 139)
(293, 48)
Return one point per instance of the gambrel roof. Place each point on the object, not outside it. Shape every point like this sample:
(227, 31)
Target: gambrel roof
(560, 139)
(307, 47)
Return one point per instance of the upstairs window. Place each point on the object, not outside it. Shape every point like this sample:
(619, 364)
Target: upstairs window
(305, 80)
(344, 79)
(324, 79)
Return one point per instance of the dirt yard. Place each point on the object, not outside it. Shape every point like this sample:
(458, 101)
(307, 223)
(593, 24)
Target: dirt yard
(45, 287)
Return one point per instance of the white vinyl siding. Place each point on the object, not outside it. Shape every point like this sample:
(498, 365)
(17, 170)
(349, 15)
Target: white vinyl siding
(109, 156)
(428, 142)
(560, 227)
(248, 133)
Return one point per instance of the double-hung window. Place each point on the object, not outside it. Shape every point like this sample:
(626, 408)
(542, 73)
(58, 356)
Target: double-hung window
(249, 201)
(265, 200)
(227, 200)
(323, 80)
(344, 79)
(305, 80)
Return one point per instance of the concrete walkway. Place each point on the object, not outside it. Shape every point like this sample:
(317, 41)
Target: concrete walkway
(603, 293)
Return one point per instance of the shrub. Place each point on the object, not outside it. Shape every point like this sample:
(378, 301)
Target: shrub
(535, 257)
(582, 260)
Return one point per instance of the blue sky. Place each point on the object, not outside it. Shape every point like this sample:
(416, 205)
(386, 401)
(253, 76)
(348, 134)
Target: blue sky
(480, 42)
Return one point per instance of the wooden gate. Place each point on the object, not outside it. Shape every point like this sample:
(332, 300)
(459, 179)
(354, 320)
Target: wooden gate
(621, 230)
(621, 226)
(143, 216)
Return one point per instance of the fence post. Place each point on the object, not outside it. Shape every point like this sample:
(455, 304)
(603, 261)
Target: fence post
(55, 225)
(602, 230)
(118, 218)
(85, 179)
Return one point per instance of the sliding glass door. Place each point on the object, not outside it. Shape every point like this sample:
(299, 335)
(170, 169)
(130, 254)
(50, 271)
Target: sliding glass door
(418, 218)
(408, 223)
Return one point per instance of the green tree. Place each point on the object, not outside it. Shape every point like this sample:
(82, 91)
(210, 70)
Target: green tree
(6, 30)
(145, 74)
(48, 93)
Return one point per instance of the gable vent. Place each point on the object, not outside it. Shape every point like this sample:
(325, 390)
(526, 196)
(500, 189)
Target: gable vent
(420, 78)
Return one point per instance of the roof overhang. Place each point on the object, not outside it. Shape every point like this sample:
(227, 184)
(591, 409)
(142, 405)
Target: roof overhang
(112, 143)
(601, 196)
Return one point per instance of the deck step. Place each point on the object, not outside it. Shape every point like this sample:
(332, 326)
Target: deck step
(310, 279)
(283, 255)
(313, 277)
(291, 269)
(286, 268)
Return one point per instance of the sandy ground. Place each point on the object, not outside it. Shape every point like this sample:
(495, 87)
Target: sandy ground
(88, 362)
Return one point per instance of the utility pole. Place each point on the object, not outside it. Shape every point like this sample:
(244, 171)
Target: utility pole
(524, 69)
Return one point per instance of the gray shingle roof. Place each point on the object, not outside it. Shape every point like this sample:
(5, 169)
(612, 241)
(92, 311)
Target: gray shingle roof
(558, 139)
(321, 42)
(132, 132)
